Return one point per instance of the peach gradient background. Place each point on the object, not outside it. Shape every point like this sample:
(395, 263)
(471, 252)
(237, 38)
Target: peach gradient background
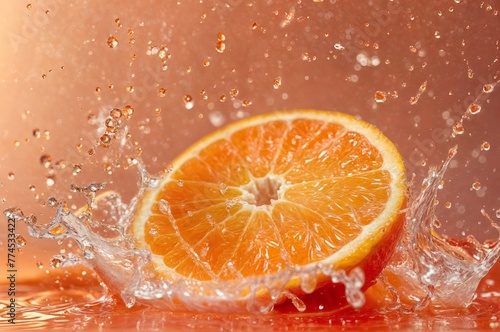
(330, 55)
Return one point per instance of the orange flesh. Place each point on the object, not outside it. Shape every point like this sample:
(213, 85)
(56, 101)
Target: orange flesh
(316, 184)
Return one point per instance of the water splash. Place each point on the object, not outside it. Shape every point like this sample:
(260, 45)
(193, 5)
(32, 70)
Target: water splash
(436, 269)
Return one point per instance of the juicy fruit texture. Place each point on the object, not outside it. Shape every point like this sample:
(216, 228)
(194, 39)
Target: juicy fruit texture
(276, 191)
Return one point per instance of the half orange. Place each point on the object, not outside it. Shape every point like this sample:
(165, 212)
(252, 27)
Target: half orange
(276, 192)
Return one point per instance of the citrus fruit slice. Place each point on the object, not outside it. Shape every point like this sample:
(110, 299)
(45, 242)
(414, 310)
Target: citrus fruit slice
(276, 192)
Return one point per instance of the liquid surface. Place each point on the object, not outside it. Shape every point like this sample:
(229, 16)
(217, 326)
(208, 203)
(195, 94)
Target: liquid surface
(90, 307)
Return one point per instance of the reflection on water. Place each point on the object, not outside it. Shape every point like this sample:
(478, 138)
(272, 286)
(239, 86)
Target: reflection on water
(84, 309)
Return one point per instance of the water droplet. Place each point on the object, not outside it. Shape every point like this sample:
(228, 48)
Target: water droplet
(474, 108)
(77, 169)
(223, 188)
(277, 83)
(458, 128)
(206, 62)
(118, 23)
(29, 6)
(10, 176)
(246, 103)
(357, 277)
(55, 262)
(188, 102)
(338, 46)
(112, 42)
(46, 160)
(497, 213)
(37, 133)
(220, 47)
(308, 282)
(380, 96)
(234, 92)
(180, 183)
(222, 98)
(254, 25)
(115, 113)
(130, 88)
(127, 111)
(476, 185)
(447, 205)
(104, 140)
(162, 92)
(20, 241)
(39, 264)
(487, 88)
(485, 146)
(50, 181)
(221, 36)
(52, 201)
(14, 213)
(164, 206)
(355, 297)
(32, 188)
(153, 232)
(216, 118)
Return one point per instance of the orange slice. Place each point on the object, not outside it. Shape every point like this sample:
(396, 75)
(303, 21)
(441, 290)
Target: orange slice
(276, 192)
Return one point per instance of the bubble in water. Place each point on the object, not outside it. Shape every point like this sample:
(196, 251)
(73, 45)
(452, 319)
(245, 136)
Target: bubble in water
(497, 213)
(29, 6)
(118, 23)
(447, 205)
(485, 146)
(112, 42)
(180, 183)
(222, 98)
(20, 241)
(153, 232)
(130, 88)
(39, 264)
(10, 176)
(37, 133)
(474, 109)
(380, 96)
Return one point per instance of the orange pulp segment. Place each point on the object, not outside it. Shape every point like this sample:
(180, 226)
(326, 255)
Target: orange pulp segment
(276, 191)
